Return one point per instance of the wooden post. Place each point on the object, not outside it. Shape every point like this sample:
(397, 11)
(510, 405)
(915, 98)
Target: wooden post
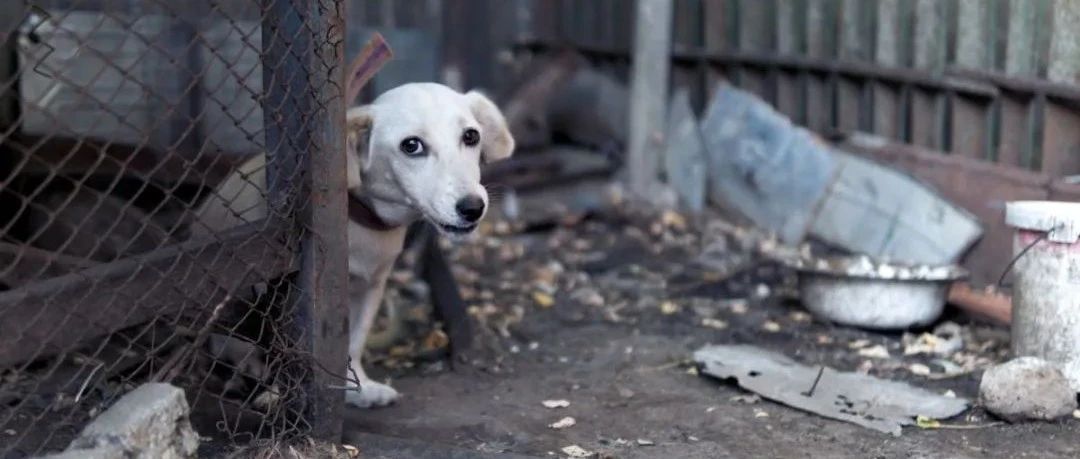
(1060, 138)
(971, 123)
(648, 92)
(304, 112)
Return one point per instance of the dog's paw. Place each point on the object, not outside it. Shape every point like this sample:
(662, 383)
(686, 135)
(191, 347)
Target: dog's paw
(371, 394)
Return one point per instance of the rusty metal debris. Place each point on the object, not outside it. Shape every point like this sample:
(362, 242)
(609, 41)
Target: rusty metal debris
(878, 404)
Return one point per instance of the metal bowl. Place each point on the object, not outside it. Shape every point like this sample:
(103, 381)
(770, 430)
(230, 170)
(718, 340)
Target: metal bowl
(862, 292)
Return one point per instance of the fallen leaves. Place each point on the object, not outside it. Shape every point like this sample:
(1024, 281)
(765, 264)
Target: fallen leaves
(437, 339)
(714, 323)
(944, 341)
(748, 399)
(552, 404)
(576, 451)
(543, 300)
(668, 308)
(874, 352)
(924, 422)
(563, 423)
(919, 369)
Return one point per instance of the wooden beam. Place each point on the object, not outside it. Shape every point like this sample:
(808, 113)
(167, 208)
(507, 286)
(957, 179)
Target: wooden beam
(59, 314)
(22, 264)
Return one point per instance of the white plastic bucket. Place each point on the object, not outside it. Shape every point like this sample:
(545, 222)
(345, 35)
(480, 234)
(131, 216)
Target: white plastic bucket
(1046, 293)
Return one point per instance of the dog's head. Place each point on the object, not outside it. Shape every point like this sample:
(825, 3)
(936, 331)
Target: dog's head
(416, 150)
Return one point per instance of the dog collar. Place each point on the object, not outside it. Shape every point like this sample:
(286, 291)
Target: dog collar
(362, 215)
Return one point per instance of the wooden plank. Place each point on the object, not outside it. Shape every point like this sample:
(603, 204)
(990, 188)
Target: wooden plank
(648, 89)
(686, 28)
(1013, 133)
(887, 51)
(855, 44)
(857, 29)
(818, 103)
(885, 97)
(56, 315)
(1064, 60)
(1061, 139)
(546, 22)
(789, 96)
(974, 46)
(756, 26)
(970, 134)
(886, 101)
(930, 36)
(1060, 146)
(788, 39)
(848, 104)
(820, 29)
(1065, 190)
(22, 264)
(715, 20)
(1021, 51)
(820, 33)
(927, 115)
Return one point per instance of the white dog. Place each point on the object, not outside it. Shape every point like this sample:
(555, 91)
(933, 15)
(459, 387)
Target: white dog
(414, 153)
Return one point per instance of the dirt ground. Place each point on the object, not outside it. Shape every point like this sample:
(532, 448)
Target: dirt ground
(605, 314)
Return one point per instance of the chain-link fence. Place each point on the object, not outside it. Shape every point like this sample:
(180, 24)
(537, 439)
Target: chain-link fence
(171, 210)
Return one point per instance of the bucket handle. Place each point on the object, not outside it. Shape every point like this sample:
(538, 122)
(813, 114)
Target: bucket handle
(1042, 237)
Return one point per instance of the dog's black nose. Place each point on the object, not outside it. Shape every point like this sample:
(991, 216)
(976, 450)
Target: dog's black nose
(471, 208)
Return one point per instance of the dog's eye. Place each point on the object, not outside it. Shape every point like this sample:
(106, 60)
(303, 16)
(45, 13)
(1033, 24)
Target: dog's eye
(412, 146)
(471, 137)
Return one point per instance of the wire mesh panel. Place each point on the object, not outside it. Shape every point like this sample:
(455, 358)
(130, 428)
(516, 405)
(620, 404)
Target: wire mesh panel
(171, 188)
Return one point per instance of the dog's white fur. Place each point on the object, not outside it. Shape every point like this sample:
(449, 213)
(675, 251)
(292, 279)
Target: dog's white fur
(400, 189)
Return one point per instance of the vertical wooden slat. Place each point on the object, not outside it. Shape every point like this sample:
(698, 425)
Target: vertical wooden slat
(546, 20)
(755, 37)
(886, 98)
(715, 24)
(970, 120)
(1020, 48)
(684, 37)
(820, 44)
(927, 114)
(1064, 61)
(855, 44)
(788, 88)
(1061, 123)
(715, 35)
(1017, 114)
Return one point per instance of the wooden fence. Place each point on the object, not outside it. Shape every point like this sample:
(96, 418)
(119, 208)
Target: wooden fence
(979, 98)
(987, 79)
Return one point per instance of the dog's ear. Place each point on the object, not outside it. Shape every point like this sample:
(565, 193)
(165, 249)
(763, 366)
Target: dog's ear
(358, 124)
(496, 142)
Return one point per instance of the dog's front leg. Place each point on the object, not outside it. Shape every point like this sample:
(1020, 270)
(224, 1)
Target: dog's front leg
(362, 312)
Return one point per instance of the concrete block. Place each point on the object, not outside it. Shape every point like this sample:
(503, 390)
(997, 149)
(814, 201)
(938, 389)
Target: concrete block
(149, 422)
